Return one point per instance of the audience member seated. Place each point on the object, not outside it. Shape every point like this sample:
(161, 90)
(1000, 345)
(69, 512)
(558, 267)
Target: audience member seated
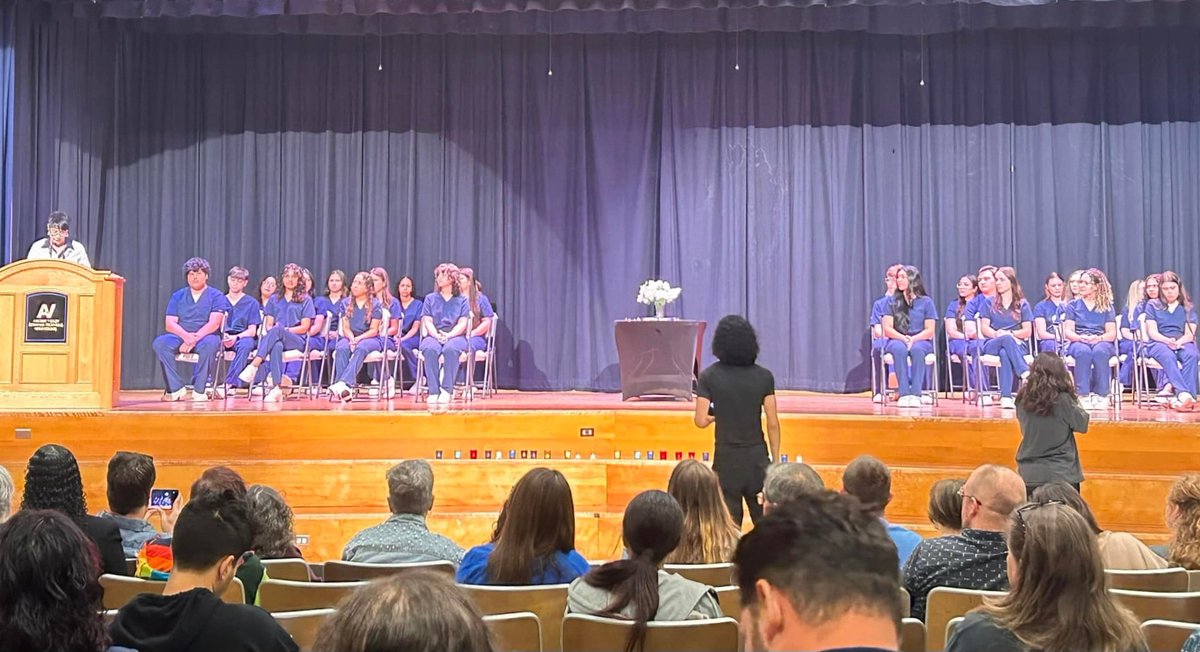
(404, 538)
(130, 478)
(976, 558)
(1118, 550)
(636, 588)
(1192, 644)
(709, 533)
(870, 481)
(52, 481)
(211, 536)
(1058, 601)
(1183, 518)
(534, 540)
(50, 594)
(273, 534)
(819, 573)
(945, 506)
(422, 611)
(6, 494)
(788, 480)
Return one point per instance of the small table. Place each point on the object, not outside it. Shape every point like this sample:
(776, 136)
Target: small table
(659, 357)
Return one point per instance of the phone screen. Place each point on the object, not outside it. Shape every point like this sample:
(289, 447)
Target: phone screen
(164, 498)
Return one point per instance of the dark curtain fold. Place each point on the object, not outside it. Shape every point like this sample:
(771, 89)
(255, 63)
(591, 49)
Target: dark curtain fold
(7, 88)
(768, 174)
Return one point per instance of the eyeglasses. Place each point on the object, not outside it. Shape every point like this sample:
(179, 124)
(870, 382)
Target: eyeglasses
(1028, 507)
(966, 496)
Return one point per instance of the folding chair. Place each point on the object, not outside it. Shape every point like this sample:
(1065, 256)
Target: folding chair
(485, 386)
(931, 372)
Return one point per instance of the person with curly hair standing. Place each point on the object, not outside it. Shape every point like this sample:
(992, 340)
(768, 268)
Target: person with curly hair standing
(734, 393)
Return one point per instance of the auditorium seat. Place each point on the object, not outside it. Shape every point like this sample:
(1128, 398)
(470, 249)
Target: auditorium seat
(1149, 605)
(912, 635)
(295, 570)
(1167, 635)
(303, 625)
(1194, 580)
(582, 633)
(285, 595)
(517, 632)
(710, 574)
(952, 627)
(119, 590)
(945, 603)
(1167, 579)
(348, 571)
(548, 603)
(730, 598)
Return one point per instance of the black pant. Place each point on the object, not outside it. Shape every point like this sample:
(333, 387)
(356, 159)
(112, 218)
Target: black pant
(741, 473)
(1029, 489)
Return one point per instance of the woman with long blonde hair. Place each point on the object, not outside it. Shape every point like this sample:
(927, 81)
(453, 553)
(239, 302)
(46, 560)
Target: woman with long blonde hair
(1090, 327)
(709, 534)
(1183, 518)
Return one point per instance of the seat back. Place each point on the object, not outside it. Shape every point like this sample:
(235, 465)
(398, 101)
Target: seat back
(1167, 635)
(348, 571)
(1167, 579)
(119, 590)
(945, 603)
(303, 625)
(295, 570)
(1194, 580)
(548, 603)
(581, 633)
(912, 635)
(1148, 605)
(519, 632)
(235, 593)
(730, 599)
(284, 595)
(710, 574)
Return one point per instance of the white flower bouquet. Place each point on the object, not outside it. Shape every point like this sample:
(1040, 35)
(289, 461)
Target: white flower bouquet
(658, 294)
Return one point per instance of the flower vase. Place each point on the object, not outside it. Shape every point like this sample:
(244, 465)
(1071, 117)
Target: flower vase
(660, 310)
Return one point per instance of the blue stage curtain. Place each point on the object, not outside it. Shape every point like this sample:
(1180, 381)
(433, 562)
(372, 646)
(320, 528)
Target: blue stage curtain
(7, 84)
(769, 174)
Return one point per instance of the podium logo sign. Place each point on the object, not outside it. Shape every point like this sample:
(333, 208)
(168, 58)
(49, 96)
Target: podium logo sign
(46, 317)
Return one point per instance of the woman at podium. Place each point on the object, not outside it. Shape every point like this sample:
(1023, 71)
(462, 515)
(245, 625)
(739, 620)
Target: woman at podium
(193, 318)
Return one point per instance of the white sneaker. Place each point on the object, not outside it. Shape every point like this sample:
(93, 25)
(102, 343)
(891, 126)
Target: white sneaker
(985, 400)
(339, 391)
(218, 392)
(199, 397)
(1187, 402)
(1006, 403)
(926, 399)
(273, 396)
(444, 397)
(177, 395)
(389, 390)
(878, 398)
(248, 374)
(1098, 402)
(257, 391)
(414, 390)
(432, 399)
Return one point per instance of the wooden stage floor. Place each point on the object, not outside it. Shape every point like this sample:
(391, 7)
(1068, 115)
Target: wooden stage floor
(329, 459)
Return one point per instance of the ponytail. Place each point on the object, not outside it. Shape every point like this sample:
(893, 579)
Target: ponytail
(632, 581)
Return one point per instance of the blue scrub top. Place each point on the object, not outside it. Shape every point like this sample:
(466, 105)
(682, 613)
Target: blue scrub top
(411, 314)
(193, 314)
(245, 313)
(289, 313)
(1002, 318)
(485, 307)
(977, 307)
(360, 321)
(1171, 323)
(1050, 311)
(879, 309)
(952, 311)
(322, 305)
(1089, 322)
(921, 310)
(560, 568)
(395, 312)
(445, 313)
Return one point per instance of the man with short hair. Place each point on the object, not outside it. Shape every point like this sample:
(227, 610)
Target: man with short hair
(6, 494)
(818, 573)
(870, 481)
(58, 244)
(787, 481)
(211, 539)
(404, 538)
(193, 319)
(977, 557)
(131, 476)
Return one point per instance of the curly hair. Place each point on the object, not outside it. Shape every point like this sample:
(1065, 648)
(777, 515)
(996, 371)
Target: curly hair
(52, 481)
(272, 517)
(1104, 292)
(196, 264)
(50, 594)
(301, 292)
(1048, 378)
(735, 342)
(1184, 500)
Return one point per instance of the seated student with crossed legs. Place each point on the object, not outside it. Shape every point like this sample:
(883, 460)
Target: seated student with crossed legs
(362, 317)
(289, 315)
(193, 318)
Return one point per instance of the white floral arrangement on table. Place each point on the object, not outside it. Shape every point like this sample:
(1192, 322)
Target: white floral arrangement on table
(658, 294)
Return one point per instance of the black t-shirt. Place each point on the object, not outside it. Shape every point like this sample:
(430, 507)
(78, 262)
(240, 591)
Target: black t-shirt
(737, 394)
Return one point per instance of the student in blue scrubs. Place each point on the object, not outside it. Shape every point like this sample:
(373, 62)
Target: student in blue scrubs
(289, 315)
(986, 277)
(1131, 321)
(444, 315)
(335, 291)
(383, 292)
(410, 325)
(1073, 283)
(324, 311)
(956, 336)
(362, 318)
(1091, 328)
(1048, 313)
(1007, 323)
(1171, 329)
(910, 328)
(881, 306)
(241, 324)
(266, 289)
(479, 306)
(193, 319)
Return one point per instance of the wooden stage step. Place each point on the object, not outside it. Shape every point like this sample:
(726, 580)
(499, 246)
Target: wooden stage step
(330, 463)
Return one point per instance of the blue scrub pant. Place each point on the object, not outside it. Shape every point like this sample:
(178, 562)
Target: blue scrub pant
(1012, 360)
(293, 369)
(959, 348)
(909, 381)
(876, 354)
(167, 345)
(241, 357)
(346, 363)
(441, 362)
(1091, 366)
(408, 349)
(1179, 366)
(1047, 346)
(273, 344)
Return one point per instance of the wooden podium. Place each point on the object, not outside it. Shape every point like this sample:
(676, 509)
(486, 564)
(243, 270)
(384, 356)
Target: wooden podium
(60, 336)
